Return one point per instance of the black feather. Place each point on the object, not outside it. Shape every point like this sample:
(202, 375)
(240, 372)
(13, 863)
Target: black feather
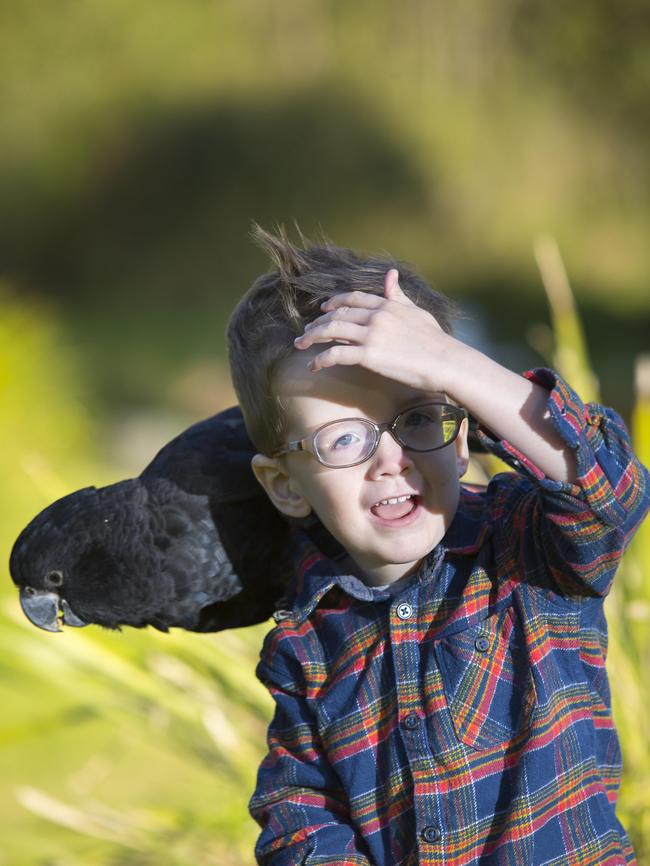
(193, 542)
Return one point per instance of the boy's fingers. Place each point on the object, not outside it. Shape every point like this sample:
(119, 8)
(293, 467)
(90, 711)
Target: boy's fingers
(368, 300)
(391, 282)
(332, 330)
(363, 300)
(344, 355)
(392, 289)
(348, 314)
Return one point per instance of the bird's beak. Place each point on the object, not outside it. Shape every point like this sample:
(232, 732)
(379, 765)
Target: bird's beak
(69, 617)
(41, 609)
(46, 610)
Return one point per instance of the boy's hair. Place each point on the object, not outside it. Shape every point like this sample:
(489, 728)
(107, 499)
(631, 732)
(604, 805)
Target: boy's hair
(279, 304)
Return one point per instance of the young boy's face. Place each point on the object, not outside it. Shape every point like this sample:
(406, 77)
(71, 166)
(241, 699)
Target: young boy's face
(383, 547)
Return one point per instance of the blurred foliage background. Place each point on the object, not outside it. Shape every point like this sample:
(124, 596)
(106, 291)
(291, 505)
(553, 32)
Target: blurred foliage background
(137, 143)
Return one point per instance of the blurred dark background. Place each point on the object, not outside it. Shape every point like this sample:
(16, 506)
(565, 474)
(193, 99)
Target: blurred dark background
(139, 141)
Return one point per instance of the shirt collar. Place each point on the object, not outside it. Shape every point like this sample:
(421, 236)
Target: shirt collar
(316, 574)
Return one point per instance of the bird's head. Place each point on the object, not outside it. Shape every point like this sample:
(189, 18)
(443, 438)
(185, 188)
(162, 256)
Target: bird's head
(42, 563)
(63, 565)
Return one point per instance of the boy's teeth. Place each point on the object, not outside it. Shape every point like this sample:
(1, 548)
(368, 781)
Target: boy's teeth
(394, 500)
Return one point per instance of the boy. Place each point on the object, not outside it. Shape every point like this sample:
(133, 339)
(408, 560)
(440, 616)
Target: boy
(440, 691)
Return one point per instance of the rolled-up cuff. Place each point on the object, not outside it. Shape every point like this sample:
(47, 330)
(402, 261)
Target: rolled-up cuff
(596, 434)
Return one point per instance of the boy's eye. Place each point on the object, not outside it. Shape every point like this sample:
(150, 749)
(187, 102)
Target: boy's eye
(419, 419)
(345, 441)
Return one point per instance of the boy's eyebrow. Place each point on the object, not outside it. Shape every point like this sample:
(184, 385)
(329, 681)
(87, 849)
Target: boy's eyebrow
(404, 407)
(433, 397)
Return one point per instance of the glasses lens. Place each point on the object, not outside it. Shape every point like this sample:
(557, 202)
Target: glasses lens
(342, 443)
(425, 428)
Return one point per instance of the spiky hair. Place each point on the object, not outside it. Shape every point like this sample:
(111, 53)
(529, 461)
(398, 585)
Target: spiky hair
(280, 303)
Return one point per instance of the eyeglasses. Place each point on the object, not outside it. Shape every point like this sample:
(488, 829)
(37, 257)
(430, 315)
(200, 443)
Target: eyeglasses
(350, 441)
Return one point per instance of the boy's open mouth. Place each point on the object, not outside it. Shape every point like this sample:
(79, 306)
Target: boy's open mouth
(396, 508)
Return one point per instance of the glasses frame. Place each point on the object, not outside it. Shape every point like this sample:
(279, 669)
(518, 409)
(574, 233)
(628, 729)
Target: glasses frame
(307, 442)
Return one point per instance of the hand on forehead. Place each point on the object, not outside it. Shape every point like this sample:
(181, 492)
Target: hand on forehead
(310, 399)
(387, 335)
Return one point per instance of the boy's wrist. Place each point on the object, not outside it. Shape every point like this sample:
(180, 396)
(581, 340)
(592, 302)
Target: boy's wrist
(454, 364)
(511, 406)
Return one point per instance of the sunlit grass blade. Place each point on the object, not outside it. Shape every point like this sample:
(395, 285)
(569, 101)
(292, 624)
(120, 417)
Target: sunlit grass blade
(570, 356)
(641, 434)
(93, 665)
(101, 823)
(628, 606)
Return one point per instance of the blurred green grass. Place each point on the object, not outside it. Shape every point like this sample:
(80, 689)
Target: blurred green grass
(131, 748)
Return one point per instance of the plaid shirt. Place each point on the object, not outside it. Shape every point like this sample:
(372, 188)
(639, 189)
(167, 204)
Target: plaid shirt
(467, 718)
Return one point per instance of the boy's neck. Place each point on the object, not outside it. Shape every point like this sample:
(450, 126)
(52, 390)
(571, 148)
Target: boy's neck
(387, 577)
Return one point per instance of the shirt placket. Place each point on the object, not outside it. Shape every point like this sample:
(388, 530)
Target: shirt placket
(411, 720)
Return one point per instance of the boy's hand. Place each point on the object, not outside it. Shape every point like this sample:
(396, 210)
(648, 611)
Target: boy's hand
(387, 335)
(395, 338)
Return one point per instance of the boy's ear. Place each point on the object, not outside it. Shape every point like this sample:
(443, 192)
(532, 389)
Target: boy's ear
(462, 449)
(272, 476)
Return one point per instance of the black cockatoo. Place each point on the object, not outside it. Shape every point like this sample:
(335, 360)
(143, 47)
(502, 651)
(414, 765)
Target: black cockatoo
(193, 542)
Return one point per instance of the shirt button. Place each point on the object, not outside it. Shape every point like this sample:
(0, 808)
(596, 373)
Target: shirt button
(410, 722)
(404, 610)
(431, 834)
(482, 644)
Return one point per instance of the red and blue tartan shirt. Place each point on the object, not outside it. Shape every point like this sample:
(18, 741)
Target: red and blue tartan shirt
(467, 718)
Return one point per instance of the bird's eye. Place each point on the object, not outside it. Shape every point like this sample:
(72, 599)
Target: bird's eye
(54, 578)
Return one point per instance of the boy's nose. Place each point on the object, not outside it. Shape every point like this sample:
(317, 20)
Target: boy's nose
(389, 458)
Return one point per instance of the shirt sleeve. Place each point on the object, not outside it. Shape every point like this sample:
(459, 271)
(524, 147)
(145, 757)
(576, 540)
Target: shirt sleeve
(581, 529)
(298, 801)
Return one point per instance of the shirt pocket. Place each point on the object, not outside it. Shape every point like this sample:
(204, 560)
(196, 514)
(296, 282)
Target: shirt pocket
(488, 681)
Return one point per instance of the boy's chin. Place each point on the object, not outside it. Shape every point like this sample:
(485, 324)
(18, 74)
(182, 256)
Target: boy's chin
(392, 562)
(408, 554)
